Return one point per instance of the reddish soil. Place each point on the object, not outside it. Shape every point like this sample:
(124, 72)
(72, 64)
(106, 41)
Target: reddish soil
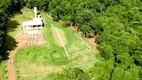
(72, 27)
(11, 71)
(35, 38)
(92, 41)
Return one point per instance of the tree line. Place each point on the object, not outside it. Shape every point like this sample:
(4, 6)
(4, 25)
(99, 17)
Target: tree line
(7, 9)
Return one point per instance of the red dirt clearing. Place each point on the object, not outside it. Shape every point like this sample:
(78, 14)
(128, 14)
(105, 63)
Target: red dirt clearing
(11, 72)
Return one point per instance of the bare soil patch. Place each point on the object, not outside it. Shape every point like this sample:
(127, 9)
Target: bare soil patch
(92, 41)
(31, 38)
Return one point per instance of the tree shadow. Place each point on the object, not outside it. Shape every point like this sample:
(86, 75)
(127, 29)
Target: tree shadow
(9, 43)
(38, 13)
(11, 25)
(42, 19)
(15, 13)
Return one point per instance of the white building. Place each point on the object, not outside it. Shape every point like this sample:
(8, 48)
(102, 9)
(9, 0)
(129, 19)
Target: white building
(36, 23)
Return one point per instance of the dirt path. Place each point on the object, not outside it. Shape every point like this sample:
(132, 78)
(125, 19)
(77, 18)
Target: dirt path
(61, 42)
(11, 71)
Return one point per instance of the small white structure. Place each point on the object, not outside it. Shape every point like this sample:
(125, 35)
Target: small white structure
(35, 10)
(36, 23)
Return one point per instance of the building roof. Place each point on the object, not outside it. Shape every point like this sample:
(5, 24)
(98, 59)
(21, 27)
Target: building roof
(36, 21)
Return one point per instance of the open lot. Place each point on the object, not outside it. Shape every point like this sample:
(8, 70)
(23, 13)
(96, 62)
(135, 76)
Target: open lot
(36, 62)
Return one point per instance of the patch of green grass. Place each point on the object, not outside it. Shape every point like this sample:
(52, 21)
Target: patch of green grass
(73, 43)
(56, 36)
(31, 77)
(3, 71)
(50, 76)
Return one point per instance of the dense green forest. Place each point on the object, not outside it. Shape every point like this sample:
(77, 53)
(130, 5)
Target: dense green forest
(7, 9)
(117, 25)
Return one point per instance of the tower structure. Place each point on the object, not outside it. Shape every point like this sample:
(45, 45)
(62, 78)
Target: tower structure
(35, 11)
(36, 23)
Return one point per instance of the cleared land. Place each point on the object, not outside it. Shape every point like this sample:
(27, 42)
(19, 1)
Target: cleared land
(69, 40)
(38, 62)
(30, 38)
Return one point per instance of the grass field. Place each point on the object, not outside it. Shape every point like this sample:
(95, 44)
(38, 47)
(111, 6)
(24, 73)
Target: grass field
(72, 43)
(3, 71)
(36, 62)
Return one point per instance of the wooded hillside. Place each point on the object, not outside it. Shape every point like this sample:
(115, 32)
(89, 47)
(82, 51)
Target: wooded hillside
(117, 25)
